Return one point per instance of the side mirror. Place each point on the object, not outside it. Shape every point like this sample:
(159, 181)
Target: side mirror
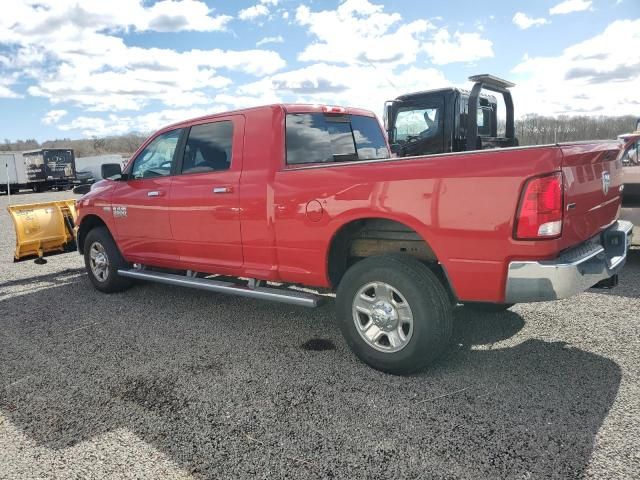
(387, 115)
(81, 189)
(111, 170)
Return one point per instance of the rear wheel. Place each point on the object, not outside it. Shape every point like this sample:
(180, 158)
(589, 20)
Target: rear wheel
(394, 313)
(102, 260)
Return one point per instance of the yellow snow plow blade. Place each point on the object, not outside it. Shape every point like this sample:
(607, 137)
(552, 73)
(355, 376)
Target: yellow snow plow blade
(43, 228)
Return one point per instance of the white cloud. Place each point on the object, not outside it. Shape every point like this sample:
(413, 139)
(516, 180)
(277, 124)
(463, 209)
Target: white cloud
(365, 86)
(6, 81)
(359, 32)
(523, 21)
(128, 78)
(147, 123)
(461, 47)
(51, 18)
(570, 6)
(265, 40)
(253, 12)
(596, 76)
(172, 15)
(6, 92)
(80, 59)
(53, 116)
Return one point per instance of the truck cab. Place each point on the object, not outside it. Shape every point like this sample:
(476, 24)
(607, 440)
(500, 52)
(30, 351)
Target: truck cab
(441, 121)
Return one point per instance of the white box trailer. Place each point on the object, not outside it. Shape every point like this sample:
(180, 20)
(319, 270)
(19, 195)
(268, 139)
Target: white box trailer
(13, 174)
(94, 164)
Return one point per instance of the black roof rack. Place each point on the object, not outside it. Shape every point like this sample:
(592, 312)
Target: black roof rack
(490, 81)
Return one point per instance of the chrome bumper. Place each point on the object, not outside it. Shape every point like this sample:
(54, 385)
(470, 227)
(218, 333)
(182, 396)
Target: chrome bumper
(574, 271)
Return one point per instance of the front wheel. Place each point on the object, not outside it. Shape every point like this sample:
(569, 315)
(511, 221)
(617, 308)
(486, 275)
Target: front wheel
(102, 260)
(394, 313)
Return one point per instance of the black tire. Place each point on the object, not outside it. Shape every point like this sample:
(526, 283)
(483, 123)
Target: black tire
(111, 282)
(428, 301)
(488, 307)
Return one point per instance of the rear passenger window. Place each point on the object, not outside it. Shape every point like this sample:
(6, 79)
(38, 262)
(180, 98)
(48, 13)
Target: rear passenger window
(319, 138)
(208, 147)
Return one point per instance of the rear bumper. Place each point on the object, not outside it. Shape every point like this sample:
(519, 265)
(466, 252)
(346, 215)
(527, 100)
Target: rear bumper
(574, 271)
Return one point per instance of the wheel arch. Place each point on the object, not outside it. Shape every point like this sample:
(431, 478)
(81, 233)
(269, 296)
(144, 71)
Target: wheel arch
(88, 223)
(358, 238)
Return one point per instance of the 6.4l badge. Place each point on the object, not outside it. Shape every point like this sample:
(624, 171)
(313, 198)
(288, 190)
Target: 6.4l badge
(119, 212)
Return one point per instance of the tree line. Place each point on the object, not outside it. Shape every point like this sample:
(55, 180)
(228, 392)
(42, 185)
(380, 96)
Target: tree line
(539, 130)
(531, 130)
(124, 145)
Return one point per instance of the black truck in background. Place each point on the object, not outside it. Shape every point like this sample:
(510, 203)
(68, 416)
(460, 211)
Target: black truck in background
(450, 119)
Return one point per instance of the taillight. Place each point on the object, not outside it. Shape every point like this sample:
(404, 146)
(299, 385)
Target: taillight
(540, 210)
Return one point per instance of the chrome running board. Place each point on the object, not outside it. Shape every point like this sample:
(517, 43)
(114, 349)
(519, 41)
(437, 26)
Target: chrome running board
(263, 293)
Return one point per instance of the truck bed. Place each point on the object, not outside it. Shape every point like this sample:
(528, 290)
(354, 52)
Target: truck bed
(462, 204)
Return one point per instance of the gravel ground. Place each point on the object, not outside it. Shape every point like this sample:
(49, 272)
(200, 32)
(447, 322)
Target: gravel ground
(163, 382)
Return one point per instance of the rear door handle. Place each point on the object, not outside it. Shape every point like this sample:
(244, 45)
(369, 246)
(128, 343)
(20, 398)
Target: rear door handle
(154, 193)
(222, 189)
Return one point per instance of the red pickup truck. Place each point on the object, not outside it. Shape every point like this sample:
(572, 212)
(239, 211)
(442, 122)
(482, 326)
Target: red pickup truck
(310, 195)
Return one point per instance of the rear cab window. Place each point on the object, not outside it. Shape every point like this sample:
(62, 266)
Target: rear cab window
(321, 138)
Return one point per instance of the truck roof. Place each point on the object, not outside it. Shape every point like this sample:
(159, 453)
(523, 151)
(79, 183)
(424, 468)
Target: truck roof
(413, 95)
(287, 107)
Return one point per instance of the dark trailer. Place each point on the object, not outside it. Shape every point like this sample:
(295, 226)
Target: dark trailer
(50, 168)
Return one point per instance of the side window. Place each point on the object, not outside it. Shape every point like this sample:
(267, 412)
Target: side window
(209, 147)
(417, 123)
(318, 138)
(484, 121)
(156, 159)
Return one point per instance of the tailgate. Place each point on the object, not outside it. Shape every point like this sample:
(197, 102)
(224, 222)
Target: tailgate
(593, 177)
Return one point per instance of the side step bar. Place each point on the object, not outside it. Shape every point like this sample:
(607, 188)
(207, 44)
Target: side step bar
(263, 293)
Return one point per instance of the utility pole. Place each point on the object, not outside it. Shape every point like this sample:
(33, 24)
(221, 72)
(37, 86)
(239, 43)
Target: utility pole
(8, 183)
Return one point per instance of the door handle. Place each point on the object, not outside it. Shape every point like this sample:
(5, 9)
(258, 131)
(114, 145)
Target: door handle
(154, 193)
(222, 189)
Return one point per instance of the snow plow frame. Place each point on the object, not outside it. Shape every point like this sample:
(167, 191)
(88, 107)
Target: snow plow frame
(43, 228)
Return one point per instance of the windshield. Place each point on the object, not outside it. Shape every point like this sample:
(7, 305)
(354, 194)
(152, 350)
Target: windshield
(416, 123)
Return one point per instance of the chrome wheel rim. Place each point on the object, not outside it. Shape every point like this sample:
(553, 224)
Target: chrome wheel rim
(383, 317)
(99, 261)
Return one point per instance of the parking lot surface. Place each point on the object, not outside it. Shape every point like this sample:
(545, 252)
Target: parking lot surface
(164, 382)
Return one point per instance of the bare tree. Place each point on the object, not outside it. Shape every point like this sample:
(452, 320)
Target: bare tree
(539, 130)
